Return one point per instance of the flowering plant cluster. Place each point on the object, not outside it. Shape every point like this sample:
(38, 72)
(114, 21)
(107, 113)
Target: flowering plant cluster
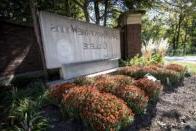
(58, 91)
(106, 84)
(121, 87)
(138, 71)
(106, 102)
(122, 80)
(166, 76)
(113, 80)
(102, 111)
(135, 97)
(175, 67)
(83, 81)
(151, 88)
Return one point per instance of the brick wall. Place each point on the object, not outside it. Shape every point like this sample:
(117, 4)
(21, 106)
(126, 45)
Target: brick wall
(134, 39)
(19, 52)
(130, 40)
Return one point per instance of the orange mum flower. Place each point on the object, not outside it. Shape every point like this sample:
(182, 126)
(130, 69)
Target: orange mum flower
(102, 110)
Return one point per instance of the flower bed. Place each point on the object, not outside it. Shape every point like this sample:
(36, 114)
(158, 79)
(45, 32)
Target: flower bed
(167, 75)
(121, 87)
(151, 88)
(102, 111)
(106, 102)
(135, 97)
(117, 79)
(181, 70)
(175, 67)
(137, 72)
(58, 91)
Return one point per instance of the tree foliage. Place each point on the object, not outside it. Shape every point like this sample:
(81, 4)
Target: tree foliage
(101, 12)
(174, 20)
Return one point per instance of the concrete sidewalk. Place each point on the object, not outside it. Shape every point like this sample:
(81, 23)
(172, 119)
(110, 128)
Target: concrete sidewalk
(191, 59)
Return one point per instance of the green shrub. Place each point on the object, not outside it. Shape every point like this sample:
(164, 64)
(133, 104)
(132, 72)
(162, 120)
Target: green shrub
(25, 115)
(24, 107)
(102, 111)
(156, 59)
(137, 60)
(143, 60)
(123, 63)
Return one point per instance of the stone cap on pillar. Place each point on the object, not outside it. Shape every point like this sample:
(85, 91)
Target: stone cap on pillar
(131, 17)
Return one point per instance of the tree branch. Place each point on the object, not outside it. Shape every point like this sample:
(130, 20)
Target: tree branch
(78, 3)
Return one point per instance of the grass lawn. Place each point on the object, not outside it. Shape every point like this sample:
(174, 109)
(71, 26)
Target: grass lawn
(191, 66)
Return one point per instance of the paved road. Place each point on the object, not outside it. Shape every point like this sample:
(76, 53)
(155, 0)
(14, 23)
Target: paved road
(191, 59)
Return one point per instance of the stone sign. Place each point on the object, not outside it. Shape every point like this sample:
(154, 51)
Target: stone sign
(68, 42)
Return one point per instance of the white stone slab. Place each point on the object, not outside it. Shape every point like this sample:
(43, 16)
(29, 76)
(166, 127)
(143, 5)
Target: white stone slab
(52, 84)
(66, 41)
(80, 69)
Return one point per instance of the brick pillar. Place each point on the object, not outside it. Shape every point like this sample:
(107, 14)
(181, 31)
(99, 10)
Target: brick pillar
(130, 23)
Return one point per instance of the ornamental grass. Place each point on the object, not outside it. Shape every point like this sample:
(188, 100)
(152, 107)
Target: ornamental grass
(152, 88)
(102, 111)
(122, 88)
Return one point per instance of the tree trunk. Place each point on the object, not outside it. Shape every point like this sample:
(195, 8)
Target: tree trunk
(85, 9)
(67, 8)
(131, 7)
(178, 30)
(97, 16)
(185, 37)
(105, 13)
(174, 40)
(184, 46)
